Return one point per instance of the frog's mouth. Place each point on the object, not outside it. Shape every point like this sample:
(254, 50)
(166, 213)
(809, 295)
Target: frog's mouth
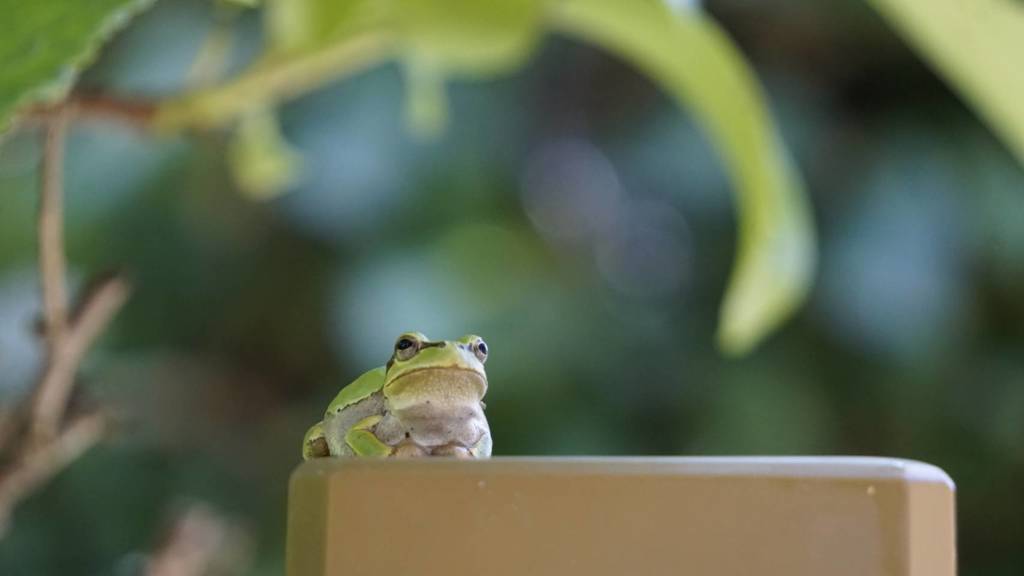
(454, 383)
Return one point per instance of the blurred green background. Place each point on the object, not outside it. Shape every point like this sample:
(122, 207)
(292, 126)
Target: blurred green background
(572, 216)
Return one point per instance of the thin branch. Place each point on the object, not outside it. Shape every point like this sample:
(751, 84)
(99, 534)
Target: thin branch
(54, 389)
(35, 467)
(36, 447)
(51, 232)
(273, 81)
(131, 111)
(97, 306)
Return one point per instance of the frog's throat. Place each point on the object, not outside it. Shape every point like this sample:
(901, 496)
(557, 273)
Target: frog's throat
(454, 372)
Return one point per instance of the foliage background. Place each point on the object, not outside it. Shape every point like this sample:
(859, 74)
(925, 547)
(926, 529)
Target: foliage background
(580, 222)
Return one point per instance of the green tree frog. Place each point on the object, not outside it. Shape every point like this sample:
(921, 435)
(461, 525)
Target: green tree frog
(427, 401)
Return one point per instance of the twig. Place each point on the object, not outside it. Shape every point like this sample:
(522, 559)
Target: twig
(271, 82)
(131, 111)
(54, 389)
(36, 446)
(66, 344)
(197, 542)
(37, 466)
(51, 232)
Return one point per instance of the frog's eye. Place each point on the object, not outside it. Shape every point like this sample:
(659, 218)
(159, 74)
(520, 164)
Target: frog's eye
(406, 347)
(480, 349)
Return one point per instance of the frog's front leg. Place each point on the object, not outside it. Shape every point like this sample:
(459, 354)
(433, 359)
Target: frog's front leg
(363, 442)
(314, 444)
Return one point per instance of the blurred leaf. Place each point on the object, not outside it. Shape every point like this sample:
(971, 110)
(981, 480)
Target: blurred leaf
(978, 45)
(46, 44)
(262, 163)
(311, 42)
(484, 38)
(697, 64)
(456, 35)
(468, 36)
(318, 41)
(297, 25)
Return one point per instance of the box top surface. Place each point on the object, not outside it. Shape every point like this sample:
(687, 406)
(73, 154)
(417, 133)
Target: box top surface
(835, 467)
(608, 516)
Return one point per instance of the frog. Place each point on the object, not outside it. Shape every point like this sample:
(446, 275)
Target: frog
(426, 401)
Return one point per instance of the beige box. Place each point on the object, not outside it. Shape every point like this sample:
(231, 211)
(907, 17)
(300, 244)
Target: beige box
(621, 516)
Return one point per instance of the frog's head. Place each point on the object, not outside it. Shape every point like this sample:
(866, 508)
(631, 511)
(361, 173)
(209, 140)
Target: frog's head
(423, 368)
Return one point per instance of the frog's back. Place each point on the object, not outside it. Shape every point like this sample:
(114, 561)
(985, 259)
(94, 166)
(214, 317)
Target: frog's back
(361, 388)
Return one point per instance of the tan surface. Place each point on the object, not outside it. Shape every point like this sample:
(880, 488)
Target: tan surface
(618, 516)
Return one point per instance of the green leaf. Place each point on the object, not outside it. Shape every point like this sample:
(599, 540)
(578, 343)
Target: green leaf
(46, 43)
(468, 36)
(978, 46)
(317, 41)
(458, 36)
(310, 25)
(697, 64)
(434, 39)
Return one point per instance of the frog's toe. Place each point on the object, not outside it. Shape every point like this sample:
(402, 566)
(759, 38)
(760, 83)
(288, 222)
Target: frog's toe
(314, 445)
(408, 450)
(453, 451)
